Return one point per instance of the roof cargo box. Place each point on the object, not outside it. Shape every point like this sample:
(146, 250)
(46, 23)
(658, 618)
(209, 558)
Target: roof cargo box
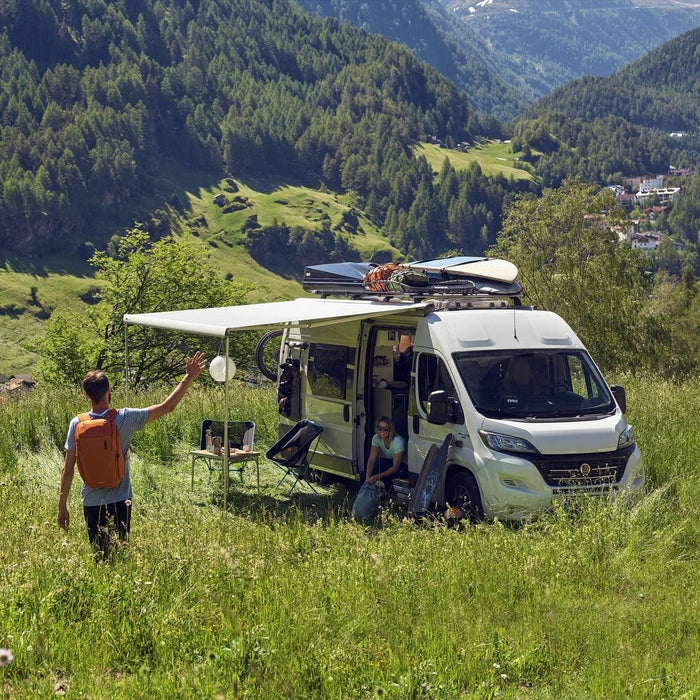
(351, 278)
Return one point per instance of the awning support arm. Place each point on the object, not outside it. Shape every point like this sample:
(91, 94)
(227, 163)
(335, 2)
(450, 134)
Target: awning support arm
(226, 414)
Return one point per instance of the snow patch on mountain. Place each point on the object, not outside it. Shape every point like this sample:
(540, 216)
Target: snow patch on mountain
(483, 3)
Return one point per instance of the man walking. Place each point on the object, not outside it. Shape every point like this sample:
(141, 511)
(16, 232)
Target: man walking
(107, 511)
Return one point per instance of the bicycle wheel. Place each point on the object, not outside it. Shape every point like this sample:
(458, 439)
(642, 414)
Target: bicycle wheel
(267, 353)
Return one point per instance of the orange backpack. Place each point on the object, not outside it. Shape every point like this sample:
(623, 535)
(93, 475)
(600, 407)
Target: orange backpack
(99, 450)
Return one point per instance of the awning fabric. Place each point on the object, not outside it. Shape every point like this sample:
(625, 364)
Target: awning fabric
(219, 321)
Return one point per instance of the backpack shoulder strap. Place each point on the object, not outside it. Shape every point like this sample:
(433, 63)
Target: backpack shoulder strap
(110, 415)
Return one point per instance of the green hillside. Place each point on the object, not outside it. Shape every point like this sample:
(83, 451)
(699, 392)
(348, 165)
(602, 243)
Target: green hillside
(660, 91)
(143, 112)
(32, 291)
(99, 98)
(438, 40)
(292, 204)
(28, 298)
(640, 120)
(219, 213)
(494, 158)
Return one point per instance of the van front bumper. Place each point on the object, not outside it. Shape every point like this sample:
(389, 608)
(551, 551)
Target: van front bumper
(517, 488)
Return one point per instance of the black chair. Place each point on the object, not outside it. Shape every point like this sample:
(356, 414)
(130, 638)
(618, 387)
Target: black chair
(292, 453)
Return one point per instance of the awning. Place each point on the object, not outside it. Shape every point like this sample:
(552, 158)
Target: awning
(219, 321)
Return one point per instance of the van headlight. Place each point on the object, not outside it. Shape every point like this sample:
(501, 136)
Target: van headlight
(506, 443)
(626, 437)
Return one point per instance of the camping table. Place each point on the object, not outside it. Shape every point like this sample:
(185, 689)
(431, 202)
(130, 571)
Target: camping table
(235, 457)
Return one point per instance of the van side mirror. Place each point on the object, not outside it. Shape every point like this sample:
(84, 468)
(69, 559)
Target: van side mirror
(620, 396)
(438, 408)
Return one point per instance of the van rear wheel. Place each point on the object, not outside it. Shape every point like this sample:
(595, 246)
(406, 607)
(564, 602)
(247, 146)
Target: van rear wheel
(461, 491)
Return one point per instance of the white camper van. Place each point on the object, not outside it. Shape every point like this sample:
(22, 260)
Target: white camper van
(532, 417)
(445, 349)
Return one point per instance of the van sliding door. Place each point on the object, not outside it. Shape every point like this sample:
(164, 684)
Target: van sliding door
(329, 401)
(390, 357)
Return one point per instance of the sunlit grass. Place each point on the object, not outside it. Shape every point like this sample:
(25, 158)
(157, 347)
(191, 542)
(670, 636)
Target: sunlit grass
(275, 203)
(494, 158)
(287, 598)
(27, 299)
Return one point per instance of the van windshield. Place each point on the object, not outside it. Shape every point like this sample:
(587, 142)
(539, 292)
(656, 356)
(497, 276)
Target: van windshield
(534, 384)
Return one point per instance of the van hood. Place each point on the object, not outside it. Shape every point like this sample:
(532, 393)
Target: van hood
(579, 436)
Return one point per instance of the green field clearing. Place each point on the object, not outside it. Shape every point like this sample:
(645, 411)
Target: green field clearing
(61, 280)
(293, 205)
(287, 597)
(21, 319)
(494, 158)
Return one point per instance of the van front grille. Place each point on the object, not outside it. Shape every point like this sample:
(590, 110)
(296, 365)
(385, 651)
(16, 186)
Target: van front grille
(572, 472)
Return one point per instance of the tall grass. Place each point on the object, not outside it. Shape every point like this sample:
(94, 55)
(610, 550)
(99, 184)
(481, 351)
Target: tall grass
(288, 598)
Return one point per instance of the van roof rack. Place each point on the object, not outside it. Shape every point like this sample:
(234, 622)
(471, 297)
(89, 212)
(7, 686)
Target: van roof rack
(449, 279)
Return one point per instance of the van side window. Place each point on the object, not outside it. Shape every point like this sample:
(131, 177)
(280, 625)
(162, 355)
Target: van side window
(433, 376)
(328, 371)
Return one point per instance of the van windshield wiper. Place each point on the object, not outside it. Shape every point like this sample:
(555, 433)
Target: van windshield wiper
(499, 413)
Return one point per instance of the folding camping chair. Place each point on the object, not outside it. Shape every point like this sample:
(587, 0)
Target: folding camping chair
(292, 452)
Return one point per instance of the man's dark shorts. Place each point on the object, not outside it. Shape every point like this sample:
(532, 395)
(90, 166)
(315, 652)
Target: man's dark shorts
(107, 523)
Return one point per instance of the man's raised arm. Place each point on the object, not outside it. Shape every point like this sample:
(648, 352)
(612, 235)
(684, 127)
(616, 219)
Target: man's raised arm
(193, 367)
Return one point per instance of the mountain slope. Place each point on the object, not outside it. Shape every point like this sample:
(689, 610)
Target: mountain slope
(659, 91)
(434, 38)
(95, 95)
(548, 43)
(642, 119)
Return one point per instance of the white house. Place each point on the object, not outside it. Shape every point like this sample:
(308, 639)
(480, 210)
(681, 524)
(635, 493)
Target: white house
(648, 183)
(665, 194)
(649, 240)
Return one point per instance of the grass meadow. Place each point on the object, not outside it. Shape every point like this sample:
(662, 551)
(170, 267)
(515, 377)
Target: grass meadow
(31, 289)
(281, 597)
(494, 158)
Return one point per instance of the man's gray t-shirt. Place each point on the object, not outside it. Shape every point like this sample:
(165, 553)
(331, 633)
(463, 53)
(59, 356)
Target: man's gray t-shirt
(129, 421)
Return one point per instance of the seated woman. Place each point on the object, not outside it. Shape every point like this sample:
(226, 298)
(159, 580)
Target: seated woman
(386, 455)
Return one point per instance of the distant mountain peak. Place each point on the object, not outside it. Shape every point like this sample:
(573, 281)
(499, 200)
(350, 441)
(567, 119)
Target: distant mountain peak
(548, 43)
(564, 6)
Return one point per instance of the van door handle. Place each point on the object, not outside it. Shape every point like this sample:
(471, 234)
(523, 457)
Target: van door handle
(346, 413)
(416, 424)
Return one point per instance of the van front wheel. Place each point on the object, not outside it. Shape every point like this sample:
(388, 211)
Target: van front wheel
(461, 491)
